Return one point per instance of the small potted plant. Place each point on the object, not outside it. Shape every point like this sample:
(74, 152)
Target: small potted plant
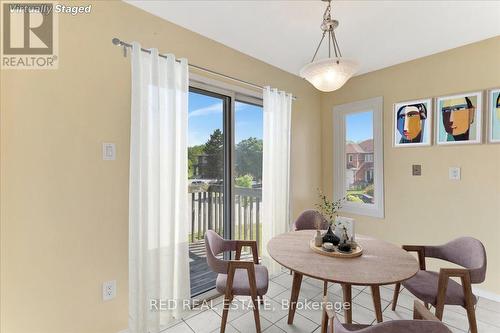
(330, 210)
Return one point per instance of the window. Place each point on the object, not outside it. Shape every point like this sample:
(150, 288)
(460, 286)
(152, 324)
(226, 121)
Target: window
(358, 131)
(369, 176)
(225, 171)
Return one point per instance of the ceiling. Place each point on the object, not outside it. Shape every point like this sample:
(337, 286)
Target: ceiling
(377, 34)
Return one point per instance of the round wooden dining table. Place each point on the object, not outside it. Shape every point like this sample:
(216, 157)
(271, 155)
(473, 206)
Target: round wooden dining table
(381, 263)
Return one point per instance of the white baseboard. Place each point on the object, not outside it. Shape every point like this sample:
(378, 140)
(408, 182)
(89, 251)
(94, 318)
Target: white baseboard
(124, 331)
(486, 294)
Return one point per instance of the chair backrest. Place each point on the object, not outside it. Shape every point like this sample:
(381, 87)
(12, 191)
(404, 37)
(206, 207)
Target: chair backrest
(307, 220)
(424, 321)
(467, 252)
(398, 326)
(216, 245)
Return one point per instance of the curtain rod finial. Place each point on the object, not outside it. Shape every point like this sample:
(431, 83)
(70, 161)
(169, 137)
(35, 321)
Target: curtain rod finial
(116, 41)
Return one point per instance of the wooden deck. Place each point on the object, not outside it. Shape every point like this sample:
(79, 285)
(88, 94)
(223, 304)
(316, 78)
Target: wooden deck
(202, 278)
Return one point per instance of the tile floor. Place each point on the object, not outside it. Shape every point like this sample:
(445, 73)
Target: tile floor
(273, 318)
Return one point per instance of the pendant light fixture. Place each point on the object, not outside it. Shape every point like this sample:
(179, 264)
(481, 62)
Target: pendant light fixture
(330, 73)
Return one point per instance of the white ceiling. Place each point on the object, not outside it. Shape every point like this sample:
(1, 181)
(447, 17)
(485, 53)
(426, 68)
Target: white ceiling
(377, 34)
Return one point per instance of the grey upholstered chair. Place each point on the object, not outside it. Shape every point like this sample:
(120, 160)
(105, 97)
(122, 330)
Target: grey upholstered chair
(236, 277)
(308, 220)
(439, 289)
(424, 321)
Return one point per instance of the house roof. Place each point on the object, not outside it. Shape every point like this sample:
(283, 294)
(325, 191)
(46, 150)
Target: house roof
(353, 148)
(367, 146)
(363, 147)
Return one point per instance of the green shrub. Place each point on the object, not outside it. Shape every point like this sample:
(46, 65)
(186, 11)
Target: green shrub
(353, 198)
(369, 190)
(244, 181)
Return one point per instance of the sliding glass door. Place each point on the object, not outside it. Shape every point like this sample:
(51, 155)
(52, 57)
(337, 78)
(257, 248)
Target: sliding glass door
(206, 166)
(225, 173)
(247, 175)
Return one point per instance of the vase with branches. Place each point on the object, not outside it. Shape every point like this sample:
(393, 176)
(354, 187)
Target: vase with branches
(330, 210)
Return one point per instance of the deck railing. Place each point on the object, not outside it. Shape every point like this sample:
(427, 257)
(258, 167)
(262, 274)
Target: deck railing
(207, 211)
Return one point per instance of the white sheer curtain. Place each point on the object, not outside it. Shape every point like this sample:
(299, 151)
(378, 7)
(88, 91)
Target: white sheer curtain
(158, 228)
(276, 169)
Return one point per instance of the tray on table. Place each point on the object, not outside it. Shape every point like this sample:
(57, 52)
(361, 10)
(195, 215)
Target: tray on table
(356, 252)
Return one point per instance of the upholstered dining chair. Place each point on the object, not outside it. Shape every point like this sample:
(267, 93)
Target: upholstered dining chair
(236, 277)
(424, 321)
(439, 289)
(308, 220)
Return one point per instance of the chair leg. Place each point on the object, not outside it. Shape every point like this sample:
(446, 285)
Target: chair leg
(324, 322)
(325, 288)
(226, 304)
(471, 315)
(256, 316)
(439, 311)
(469, 303)
(255, 302)
(396, 295)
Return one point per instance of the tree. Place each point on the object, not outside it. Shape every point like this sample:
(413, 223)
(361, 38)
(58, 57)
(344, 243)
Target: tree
(244, 181)
(193, 153)
(214, 148)
(249, 158)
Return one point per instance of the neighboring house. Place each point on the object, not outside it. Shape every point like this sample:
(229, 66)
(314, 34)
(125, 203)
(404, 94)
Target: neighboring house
(359, 164)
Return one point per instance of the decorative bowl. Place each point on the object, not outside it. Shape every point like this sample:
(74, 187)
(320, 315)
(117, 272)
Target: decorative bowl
(328, 247)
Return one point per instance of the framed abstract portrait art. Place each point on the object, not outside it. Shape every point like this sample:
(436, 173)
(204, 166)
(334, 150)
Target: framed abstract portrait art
(494, 115)
(458, 119)
(412, 123)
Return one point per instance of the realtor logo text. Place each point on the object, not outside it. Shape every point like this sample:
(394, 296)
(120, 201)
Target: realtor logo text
(30, 33)
(46, 9)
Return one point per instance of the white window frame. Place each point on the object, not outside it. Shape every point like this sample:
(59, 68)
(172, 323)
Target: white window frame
(376, 105)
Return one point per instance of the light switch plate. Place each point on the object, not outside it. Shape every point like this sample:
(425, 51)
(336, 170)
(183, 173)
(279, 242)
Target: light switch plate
(108, 151)
(416, 170)
(454, 173)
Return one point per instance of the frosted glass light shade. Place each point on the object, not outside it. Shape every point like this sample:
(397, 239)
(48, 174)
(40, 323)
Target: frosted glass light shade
(329, 74)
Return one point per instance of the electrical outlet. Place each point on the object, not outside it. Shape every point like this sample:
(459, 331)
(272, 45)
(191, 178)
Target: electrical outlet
(108, 290)
(108, 151)
(454, 173)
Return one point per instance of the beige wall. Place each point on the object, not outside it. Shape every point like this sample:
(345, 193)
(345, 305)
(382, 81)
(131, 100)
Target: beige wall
(430, 208)
(64, 211)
